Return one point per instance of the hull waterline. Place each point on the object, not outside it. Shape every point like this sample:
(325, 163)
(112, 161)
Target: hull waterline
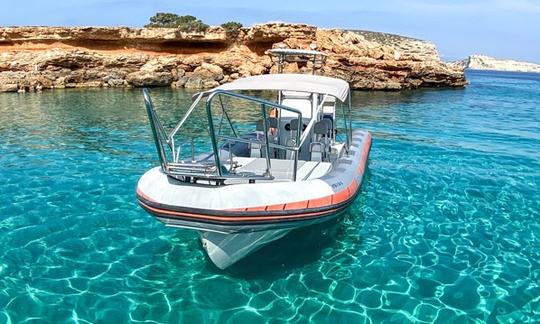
(237, 220)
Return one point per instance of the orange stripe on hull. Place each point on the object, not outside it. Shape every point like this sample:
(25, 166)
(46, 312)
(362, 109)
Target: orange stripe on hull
(279, 207)
(320, 202)
(341, 196)
(260, 208)
(232, 219)
(297, 205)
(325, 201)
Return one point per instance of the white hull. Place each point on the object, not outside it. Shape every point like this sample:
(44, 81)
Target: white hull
(226, 249)
(295, 170)
(236, 220)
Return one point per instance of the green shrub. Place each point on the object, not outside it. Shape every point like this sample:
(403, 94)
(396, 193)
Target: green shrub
(232, 28)
(163, 19)
(170, 20)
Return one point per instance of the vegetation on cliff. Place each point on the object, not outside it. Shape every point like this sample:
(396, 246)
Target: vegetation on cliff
(232, 28)
(189, 24)
(170, 20)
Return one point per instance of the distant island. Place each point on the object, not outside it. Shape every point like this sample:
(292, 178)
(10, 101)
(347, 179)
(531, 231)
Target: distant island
(184, 52)
(483, 62)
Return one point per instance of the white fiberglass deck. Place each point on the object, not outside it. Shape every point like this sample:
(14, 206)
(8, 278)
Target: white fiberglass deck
(282, 170)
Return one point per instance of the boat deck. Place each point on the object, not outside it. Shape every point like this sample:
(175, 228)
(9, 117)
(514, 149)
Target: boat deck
(282, 170)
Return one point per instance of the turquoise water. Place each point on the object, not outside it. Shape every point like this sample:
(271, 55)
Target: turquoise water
(446, 228)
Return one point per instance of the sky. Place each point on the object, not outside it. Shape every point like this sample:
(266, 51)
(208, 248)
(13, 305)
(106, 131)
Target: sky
(501, 28)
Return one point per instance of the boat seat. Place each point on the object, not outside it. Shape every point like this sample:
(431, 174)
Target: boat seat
(294, 124)
(328, 121)
(317, 149)
(328, 136)
(293, 127)
(255, 150)
(321, 127)
(290, 143)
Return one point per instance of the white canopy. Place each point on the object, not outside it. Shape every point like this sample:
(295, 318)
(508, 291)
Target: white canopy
(291, 82)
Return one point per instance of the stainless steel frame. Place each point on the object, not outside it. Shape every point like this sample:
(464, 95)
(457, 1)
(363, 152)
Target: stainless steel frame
(317, 58)
(215, 171)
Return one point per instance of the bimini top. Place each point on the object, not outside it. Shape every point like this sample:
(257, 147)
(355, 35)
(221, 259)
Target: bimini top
(291, 82)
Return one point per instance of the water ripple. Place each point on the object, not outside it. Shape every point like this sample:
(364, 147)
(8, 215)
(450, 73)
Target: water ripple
(445, 228)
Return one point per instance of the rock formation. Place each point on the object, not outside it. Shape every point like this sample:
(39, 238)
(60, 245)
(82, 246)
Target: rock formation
(483, 62)
(61, 57)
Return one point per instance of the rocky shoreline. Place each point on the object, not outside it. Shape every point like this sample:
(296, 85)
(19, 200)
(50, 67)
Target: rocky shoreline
(35, 58)
(488, 63)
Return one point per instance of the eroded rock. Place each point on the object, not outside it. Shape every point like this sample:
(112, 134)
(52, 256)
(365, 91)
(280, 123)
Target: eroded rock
(55, 57)
(151, 79)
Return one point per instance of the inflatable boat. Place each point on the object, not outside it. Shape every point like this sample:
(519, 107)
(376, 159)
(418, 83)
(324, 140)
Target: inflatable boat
(299, 163)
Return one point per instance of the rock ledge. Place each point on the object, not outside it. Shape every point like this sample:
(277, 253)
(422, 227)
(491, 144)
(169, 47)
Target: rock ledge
(60, 57)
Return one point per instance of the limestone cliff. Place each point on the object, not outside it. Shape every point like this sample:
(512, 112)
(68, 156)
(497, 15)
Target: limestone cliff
(482, 62)
(60, 57)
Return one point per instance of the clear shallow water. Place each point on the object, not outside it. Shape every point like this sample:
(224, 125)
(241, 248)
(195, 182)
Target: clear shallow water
(446, 227)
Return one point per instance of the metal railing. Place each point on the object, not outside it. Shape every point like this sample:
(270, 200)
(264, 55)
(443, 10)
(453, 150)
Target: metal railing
(215, 170)
(158, 132)
(264, 104)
